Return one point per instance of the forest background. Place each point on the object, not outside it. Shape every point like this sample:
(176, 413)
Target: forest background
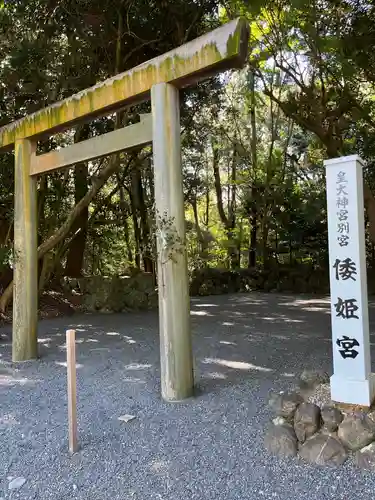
(254, 142)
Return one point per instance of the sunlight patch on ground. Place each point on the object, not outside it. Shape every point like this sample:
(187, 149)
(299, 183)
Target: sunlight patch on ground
(9, 380)
(303, 302)
(215, 375)
(200, 313)
(129, 340)
(281, 317)
(64, 363)
(312, 305)
(137, 366)
(133, 380)
(159, 466)
(206, 305)
(237, 365)
(317, 309)
(248, 300)
(8, 419)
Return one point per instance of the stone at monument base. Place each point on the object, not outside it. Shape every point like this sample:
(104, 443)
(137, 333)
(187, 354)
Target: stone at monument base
(356, 431)
(285, 404)
(306, 421)
(332, 418)
(327, 434)
(365, 458)
(310, 379)
(356, 392)
(281, 439)
(323, 449)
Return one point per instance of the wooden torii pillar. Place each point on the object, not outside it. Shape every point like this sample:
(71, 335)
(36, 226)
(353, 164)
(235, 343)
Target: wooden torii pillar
(161, 79)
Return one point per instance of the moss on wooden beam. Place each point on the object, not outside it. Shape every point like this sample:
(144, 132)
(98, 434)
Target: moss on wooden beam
(221, 49)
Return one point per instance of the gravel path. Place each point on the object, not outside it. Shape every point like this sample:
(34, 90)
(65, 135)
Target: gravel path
(210, 447)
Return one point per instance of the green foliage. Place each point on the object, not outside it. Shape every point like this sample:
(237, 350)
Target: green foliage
(170, 242)
(253, 141)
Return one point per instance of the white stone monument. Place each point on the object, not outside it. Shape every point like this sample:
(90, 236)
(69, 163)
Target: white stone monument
(352, 381)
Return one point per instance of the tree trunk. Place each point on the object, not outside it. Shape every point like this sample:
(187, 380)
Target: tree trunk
(265, 242)
(76, 252)
(45, 271)
(193, 203)
(253, 239)
(65, 228)
(97, 183)
(290, 250)
(218, 188)
(148, 263)
(207, 216)
(127, 239)
(253, 220)
(124, 218)
(229, 221)
(137, 233)
(42, 192)
(235, 257)
(370, 208)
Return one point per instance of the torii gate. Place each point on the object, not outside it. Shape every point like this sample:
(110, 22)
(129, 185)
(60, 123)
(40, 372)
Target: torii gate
(160, 78)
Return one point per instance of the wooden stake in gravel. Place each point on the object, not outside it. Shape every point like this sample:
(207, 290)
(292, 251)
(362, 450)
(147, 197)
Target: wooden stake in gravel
(72, 389)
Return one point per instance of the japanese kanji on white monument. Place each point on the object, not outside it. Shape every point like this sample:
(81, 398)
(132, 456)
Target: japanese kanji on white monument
(352, 381)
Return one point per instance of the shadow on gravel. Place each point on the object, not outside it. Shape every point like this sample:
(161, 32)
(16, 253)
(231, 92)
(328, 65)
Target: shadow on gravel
(236, 338)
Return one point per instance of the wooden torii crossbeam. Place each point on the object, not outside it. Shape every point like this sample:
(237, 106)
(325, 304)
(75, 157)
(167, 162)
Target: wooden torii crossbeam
(159, 79)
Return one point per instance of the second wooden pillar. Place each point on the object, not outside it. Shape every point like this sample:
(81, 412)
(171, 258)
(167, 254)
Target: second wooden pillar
(174, 304)
(25, 293)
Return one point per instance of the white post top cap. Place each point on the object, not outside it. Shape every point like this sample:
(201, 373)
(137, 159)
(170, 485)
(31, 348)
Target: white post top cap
(344, 159)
